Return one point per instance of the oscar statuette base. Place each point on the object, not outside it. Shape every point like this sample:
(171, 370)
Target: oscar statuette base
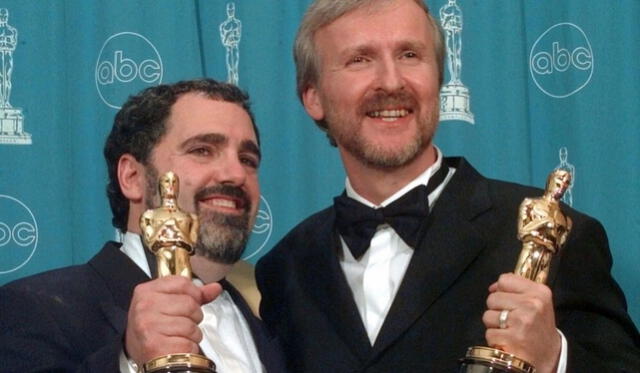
(480, 359)
(180, 363)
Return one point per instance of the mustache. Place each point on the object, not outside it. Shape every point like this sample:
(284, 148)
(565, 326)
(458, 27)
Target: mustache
(386, 100)
(226, 190)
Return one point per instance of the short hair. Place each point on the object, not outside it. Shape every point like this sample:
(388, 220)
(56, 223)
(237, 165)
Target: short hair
(322, 12)
(142, 122)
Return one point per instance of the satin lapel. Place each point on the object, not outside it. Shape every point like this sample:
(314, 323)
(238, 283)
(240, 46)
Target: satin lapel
(324, 281)
(120, 275)
(449, 245)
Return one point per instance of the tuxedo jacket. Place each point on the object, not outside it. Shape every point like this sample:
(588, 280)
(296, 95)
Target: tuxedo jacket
(470, 238)
(73, 319)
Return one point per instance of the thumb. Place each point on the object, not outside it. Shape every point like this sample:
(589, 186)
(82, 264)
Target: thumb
(210, 292)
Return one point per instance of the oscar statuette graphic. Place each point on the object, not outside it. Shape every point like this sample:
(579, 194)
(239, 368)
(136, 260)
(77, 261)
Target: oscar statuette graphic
(170, 234)
(11, 118)
(455, 99)
(543, 230)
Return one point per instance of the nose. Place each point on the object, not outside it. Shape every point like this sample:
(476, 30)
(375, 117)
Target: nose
(232, 172)
(389, 75)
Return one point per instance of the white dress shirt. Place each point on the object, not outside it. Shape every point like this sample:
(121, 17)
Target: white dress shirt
(376, 277)
(226, 340)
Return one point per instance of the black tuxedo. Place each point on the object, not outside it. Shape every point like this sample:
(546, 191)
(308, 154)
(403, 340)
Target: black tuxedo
(470, 240)
(73, 319)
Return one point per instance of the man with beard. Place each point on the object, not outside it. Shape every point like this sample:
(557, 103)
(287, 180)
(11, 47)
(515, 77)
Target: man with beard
(410, 266)
(107, 315)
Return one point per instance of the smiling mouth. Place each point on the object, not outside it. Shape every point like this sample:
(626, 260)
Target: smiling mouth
(389, 115)
(224, 203)
(224, 198)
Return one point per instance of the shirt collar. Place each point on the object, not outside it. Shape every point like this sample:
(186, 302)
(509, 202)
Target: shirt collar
(132, 247)
(422, 179)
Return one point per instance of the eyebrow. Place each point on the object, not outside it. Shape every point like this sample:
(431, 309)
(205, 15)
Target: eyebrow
(251, 147)
(368, 49)
(209, 138)
(360, 49)
(218, 139)
(416, 45)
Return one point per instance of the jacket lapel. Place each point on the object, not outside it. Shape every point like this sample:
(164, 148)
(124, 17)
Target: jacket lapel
(325, 282)
(120, 275)
(449, 244)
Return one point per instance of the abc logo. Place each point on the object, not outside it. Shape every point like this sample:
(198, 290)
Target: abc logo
(18, 234)
(127, 63)
(262, 229)
(561, 60)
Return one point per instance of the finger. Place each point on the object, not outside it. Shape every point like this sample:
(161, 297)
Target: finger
(512, 283)
(175, 285)
(491, 319)
(181, 305)
(499, 301)
(167, 304)
(502, 338)
(181, 327)
(210, 292)
(493, 287)
(168, 345)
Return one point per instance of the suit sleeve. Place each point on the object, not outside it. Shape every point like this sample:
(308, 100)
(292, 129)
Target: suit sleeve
(32, 340)
(590, 306)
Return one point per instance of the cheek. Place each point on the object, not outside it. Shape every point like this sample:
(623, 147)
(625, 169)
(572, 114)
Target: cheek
(253, 189)
(345, 90)
(192, 178)
(186, 202)
(188, 189)
(427, 83)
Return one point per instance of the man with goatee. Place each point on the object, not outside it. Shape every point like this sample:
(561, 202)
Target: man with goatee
(109, 315)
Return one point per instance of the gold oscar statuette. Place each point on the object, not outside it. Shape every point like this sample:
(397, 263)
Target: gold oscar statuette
(170, 234)
(543, 230)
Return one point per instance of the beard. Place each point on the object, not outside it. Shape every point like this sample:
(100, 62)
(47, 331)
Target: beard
(222, 238)
(346, 130)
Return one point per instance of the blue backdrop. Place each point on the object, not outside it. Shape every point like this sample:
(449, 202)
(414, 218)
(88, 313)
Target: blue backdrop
(532, 85)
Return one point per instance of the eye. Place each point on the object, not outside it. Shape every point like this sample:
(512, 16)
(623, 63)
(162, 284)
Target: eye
(250, 161)
(356, 60)
(200, 151)
(409, 54)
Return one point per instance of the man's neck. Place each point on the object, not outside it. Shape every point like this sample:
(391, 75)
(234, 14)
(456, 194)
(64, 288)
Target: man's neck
(208, 271)
(376, 185)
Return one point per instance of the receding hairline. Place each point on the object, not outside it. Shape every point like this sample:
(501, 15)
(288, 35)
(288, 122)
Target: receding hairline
(368, 8)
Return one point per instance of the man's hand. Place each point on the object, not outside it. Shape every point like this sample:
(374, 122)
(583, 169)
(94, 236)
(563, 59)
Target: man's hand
(530, 329)
(164, 316)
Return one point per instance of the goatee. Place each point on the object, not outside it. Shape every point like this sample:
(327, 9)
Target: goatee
(223, 238)
(347, 131)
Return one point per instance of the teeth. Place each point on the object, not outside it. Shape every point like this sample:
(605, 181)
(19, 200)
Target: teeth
(223, 203)
(389, 114)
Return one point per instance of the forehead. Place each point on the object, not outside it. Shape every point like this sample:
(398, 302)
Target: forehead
(195, 114)
(375, 23)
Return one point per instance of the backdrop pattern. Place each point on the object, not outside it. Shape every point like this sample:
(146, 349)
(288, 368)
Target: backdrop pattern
(530, 85)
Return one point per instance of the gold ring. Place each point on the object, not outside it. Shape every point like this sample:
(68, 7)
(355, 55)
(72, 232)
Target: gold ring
(502, 321)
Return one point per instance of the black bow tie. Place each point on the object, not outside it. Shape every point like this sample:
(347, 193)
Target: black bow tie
(357, 223)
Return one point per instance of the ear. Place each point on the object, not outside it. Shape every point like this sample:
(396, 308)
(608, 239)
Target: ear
(312, 103)
(131, 177)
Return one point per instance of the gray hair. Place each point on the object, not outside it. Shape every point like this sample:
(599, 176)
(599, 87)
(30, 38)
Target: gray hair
(323, 12)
